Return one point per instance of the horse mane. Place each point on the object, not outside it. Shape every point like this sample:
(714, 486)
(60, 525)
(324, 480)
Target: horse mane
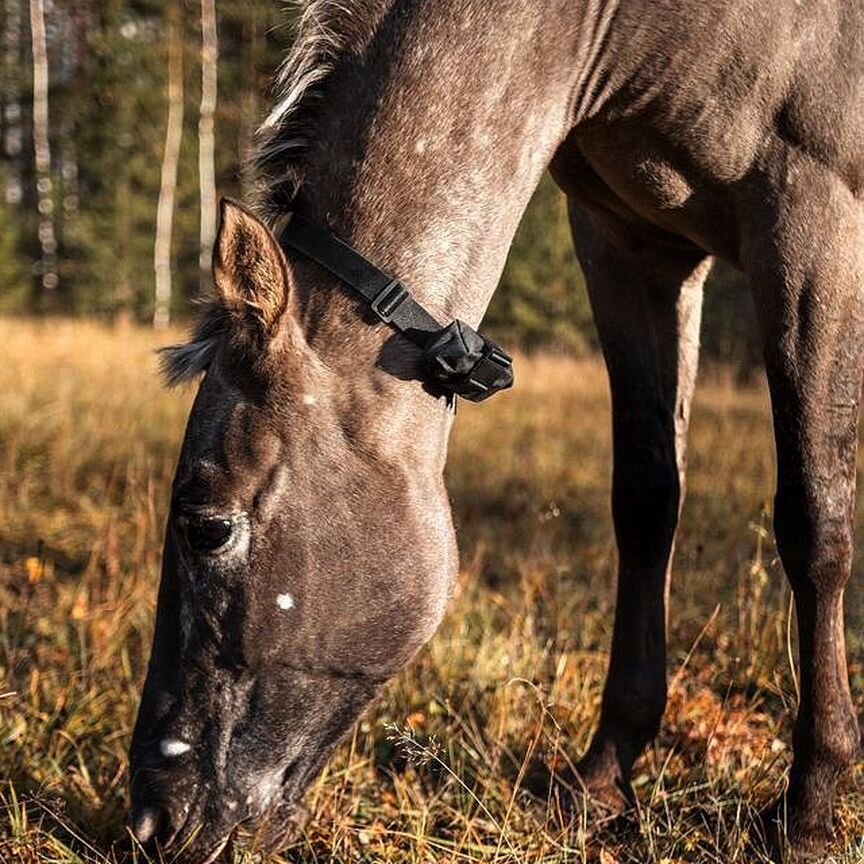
(324, 29)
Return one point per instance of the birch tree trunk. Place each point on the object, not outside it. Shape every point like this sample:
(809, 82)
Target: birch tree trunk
(42, 148)
(170, 160)
(12, 120)
(206, 138)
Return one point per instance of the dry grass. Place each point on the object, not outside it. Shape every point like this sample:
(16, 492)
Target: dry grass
(450, 765)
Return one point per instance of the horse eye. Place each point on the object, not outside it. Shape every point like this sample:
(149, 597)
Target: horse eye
(207, 535)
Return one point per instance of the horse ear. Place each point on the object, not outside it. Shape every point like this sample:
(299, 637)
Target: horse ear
(249, 267)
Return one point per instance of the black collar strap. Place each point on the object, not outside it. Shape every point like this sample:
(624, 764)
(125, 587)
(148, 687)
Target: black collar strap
(456, 358)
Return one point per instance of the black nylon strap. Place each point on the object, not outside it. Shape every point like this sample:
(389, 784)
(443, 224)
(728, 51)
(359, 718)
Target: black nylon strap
(389, 298)
(456, 358)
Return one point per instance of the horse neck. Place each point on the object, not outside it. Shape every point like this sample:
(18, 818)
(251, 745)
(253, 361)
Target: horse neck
(428, 143)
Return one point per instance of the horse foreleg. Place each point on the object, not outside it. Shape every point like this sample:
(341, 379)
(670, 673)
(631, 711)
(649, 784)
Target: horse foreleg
(647, 307)
(807, 275)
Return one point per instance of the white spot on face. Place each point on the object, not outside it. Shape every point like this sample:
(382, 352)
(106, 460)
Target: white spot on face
(309, 399)
(420, 146)
(285, 602)
(173, 747)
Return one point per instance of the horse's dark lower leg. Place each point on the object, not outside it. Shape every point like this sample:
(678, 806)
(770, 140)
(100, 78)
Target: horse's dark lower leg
(647, 308)
(813, 323)
(814, 511)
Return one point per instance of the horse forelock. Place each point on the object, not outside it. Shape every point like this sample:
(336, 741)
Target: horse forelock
(182, 363)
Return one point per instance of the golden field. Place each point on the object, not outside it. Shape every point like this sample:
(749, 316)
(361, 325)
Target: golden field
(450, 764)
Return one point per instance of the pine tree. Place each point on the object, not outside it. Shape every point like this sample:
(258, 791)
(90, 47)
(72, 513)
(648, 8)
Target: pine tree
(14, 280)
(541, 299)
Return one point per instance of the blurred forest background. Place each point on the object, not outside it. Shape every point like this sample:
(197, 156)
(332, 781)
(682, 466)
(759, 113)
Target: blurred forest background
(123, 120)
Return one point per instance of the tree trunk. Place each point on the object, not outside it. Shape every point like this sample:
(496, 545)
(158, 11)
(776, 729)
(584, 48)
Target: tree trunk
(42, 148)
(13, 137)
(170, 160)
(206, 138)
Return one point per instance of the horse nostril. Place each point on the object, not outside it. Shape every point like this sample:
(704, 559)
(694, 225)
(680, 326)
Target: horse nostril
(150, 823)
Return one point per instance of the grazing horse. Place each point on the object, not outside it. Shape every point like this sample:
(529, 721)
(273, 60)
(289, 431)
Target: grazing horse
(310, 550)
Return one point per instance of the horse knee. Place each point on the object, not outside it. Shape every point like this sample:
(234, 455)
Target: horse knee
(834, 743)
(814, 539)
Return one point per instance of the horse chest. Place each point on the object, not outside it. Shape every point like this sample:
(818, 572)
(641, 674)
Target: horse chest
(644, 183)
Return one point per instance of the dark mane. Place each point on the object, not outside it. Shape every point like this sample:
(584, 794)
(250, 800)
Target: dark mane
(326, 29)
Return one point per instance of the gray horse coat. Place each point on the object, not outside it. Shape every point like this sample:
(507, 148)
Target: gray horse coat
(417, 130)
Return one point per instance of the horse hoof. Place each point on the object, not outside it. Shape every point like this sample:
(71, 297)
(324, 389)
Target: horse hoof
(610, 797)
(601, 793)
(789, 842)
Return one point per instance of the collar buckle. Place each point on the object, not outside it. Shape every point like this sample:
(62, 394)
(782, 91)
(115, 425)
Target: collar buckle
(387, 301)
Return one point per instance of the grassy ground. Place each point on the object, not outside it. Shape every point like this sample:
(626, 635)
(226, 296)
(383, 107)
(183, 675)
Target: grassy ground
(450, 764)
